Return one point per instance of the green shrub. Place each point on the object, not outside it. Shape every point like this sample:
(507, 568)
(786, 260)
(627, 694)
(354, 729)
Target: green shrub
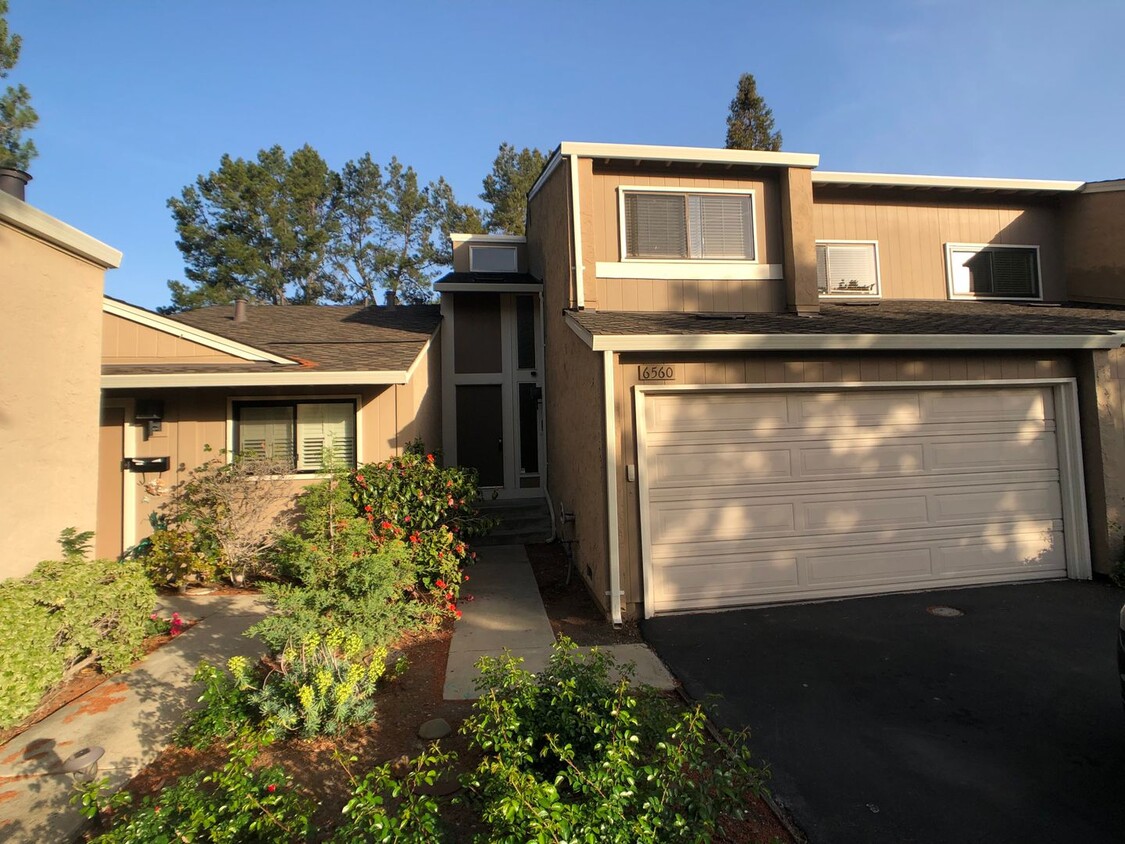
(235, 803)
(171, 557)
(319, 686)
(64, 613)
(571, 755)
(226, 708)
(392, 810)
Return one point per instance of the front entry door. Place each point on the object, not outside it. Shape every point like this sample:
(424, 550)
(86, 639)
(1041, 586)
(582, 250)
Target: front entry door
(480, 431)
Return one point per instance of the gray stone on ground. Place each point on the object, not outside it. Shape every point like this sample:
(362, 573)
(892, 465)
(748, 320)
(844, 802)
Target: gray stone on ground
(434, 729)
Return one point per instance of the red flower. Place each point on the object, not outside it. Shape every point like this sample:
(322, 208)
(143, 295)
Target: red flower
(460, 548)
(359, 479)
(449, 484)
(387, 526)
(465, 578)
(457, 613)
(415, 538)
(406, 518)
(439, 583)
(367, 508)
(271, 788)
(449, 502)
(429, 458)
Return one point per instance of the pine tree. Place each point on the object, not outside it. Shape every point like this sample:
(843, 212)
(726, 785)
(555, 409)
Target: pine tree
(16, 114)
(750, 123)
(505, 188)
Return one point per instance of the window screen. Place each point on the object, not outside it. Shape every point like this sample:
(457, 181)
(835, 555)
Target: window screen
(302, 433)
(846, 269)
(492, 259)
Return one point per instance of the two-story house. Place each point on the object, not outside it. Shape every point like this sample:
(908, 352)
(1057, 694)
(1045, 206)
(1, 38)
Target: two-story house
(764, 382)
(734, 377)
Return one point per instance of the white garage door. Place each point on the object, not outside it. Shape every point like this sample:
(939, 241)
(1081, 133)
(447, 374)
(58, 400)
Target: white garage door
(753, 497)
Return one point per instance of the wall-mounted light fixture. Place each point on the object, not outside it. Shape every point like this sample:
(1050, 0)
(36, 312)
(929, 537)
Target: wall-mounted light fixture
(150, 412)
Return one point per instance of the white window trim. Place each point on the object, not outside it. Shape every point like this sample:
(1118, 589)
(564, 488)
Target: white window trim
(866, 297)
(950, 248)
(308, 399)
(686, 262)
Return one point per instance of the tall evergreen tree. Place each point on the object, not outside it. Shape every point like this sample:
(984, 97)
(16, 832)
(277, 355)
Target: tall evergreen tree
(260, 229)
(750, 122)
(16, 114)
(505, 188)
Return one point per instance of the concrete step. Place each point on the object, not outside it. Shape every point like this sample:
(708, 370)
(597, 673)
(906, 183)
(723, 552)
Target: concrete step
(519, 521)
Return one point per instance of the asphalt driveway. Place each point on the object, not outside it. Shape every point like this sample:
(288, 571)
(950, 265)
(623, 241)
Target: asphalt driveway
(883, 722)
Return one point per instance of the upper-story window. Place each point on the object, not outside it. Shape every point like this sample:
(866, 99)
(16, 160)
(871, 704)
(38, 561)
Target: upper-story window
(984, 271)
(492, 259)
(691, 225)
(847, 269)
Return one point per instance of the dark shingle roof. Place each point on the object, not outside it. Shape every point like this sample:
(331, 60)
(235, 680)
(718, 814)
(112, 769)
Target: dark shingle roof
(327, 337)
(888, 317)
(487, 278)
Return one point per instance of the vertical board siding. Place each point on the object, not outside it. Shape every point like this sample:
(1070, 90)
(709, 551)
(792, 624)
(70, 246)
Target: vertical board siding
(601, 241)
(912, 237)
(125, 341)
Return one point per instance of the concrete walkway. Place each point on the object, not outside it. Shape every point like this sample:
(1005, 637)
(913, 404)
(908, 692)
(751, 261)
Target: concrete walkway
(131, 715)
(506, 614)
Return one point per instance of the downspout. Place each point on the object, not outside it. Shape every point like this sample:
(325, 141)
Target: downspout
(614, 537)
(576, 224)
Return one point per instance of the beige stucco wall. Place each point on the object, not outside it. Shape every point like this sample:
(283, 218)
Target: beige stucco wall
(783, 369)
(50, 343)
(573, 392)
(601, 241)
(1095, 248)
(912, 232)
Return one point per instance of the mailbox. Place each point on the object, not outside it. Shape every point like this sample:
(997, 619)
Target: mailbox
(145, 464)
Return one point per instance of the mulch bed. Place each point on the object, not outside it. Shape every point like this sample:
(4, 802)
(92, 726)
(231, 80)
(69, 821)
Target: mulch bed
(415, 697)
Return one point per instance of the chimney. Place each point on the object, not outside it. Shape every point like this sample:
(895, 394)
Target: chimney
(240, 310)
(14, 181)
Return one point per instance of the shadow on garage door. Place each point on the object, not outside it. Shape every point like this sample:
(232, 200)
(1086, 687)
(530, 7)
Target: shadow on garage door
(883, 722)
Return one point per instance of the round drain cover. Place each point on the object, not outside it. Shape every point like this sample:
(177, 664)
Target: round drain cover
(944, 612)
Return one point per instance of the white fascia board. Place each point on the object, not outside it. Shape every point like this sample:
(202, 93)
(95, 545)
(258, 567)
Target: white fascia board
(457, 237)
(253, 379)
(898, 180)
(552, 164)
(421, 355)
(838, 342)
(690, 155)
(187, 332)
(41, 225)
(473, 287)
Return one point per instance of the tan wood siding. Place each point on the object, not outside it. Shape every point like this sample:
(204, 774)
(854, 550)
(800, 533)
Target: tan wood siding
(573, 391)
(1095, 249)
(912, 237)
(125, 341)
(602, 242)
(790, 369)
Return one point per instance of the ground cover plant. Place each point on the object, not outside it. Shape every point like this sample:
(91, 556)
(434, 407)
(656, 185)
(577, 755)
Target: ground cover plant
(67, 614)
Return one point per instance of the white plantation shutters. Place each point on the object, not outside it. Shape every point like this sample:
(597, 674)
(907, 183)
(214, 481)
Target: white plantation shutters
(301, 433)
(322, 428)
(703, 226)
(846, 269)
(266, 431)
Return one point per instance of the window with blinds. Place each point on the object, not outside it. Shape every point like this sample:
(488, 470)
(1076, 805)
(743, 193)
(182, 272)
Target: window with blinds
(993, 272)
(701, 226)
(847, 270)
(302, 433)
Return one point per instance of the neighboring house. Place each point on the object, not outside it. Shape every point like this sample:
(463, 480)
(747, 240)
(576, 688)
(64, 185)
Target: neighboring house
(51, 277)
(733, 378)
(286, 380)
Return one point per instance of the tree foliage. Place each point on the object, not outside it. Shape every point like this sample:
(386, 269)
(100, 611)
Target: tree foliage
(506, 187)
(289, 229)
(16, 114)
(750, 122)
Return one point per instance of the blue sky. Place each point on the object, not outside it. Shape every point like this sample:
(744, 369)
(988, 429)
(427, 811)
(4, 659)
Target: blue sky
(136, 99)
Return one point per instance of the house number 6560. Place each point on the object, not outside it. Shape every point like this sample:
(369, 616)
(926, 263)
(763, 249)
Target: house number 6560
(656, 372)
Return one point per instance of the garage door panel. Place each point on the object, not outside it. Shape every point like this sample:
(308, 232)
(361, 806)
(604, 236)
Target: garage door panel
(691, 465)
(1031, 551)
(1038, 451)
(849, 492)
(867, 566)
(1013, 403)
